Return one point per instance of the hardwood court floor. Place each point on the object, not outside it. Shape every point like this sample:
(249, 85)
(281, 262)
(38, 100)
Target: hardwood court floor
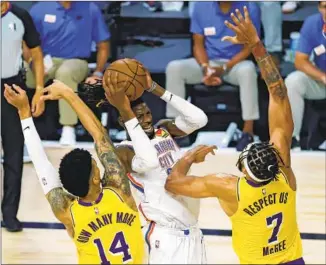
(39, 245)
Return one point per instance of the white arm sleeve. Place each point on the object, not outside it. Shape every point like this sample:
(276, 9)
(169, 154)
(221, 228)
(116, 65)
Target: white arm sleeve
(145, 154)
(46, 173)
(191, 119)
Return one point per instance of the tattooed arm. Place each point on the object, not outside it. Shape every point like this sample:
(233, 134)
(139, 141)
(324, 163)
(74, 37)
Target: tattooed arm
(279, 112)
(115, 174)
(280, 115)
(60, 202)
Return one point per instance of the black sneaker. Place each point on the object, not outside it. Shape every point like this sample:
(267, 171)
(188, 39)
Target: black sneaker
(295, 143)
(13, 225)
(245, 139)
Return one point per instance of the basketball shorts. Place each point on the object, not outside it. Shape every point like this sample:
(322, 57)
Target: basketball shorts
(174, 246)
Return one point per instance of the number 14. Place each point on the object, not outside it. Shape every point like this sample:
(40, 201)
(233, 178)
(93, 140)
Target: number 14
(118, 247)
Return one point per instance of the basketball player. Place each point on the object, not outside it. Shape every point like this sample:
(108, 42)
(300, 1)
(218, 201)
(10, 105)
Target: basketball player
(102, 220)
(171, 232)
(261, 204)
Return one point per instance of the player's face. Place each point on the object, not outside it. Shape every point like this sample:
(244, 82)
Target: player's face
(144, 116)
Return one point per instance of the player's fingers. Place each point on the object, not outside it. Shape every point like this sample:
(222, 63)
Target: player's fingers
(18, 89)
(232, 27)
(235, 19)
(6, 92)
(246, 14)
(11, 92)
(46, 97)
(46, 90)
(233, 40)
(239, 15)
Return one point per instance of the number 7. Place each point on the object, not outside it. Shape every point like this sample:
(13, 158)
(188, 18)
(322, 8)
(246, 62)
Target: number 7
(276, 228)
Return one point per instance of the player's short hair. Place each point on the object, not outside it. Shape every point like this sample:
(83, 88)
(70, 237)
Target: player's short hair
(261, 161)
(75, 172)
(137, 102)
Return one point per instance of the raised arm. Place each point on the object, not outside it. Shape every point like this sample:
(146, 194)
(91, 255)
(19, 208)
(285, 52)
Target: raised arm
(280, 115)
(47, 174)
(191, 118)
(115, 175)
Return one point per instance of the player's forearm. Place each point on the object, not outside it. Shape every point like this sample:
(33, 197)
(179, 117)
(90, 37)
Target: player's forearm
(177, 180)
(102, 55)
(48, 176)
(192, 118)
(145, 158)
(280, 115)
(38, 67)
(85, 115)
(308, 68)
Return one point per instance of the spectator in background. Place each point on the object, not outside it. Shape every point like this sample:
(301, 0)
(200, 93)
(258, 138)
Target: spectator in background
(16, 28)
(216, 60)
(309, 82)
(67, 30)
(271, 18)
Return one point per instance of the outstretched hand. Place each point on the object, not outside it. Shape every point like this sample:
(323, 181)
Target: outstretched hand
(55, 91)
(113, 94)
(244, 29)
(199, 153)
(16, 97)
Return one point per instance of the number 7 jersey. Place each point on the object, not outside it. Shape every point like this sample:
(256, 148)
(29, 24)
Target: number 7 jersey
(264, 228)
(108, 231)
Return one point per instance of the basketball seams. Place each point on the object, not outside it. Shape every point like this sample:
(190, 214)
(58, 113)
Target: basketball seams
(120, 72)
(132, 70)
(128, 71)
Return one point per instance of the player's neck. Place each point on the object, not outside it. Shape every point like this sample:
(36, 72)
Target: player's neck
(92, 195)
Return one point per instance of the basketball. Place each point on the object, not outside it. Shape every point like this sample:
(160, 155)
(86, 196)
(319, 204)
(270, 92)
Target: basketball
(131, 77)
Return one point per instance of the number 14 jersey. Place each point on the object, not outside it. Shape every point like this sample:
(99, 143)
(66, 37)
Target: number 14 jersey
(108, 231)
(264, 228)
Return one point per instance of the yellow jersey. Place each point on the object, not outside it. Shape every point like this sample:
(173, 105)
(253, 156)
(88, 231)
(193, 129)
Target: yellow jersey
(264, 228)
(108, 231)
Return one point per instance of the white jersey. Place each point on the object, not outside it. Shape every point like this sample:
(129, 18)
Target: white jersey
(157, 204)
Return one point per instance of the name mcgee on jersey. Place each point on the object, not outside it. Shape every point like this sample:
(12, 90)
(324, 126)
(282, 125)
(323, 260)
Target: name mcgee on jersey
(102, 221)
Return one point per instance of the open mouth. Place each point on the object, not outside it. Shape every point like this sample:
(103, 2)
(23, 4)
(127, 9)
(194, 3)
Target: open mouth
(148, 128)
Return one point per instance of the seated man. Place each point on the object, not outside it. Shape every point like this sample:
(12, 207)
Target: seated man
(67, 30)
(310, 79)
(216, 60)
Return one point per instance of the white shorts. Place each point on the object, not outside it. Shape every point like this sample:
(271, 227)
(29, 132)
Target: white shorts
(174, 246)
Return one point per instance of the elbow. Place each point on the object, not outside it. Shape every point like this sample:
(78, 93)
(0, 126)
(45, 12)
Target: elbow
(152, 163)
(200, 119)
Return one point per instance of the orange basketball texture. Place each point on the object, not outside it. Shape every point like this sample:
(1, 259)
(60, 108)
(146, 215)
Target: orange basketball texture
(131, 77)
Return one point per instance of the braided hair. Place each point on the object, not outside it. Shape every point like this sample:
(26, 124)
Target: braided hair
(261, 161)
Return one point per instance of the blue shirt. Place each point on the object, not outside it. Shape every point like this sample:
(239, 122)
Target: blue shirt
(311, 37)
(68, 33)
(207, 16)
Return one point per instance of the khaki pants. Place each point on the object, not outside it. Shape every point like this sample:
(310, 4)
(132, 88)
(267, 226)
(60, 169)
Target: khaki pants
(187, 71)
(69, 71)
(300, 87)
